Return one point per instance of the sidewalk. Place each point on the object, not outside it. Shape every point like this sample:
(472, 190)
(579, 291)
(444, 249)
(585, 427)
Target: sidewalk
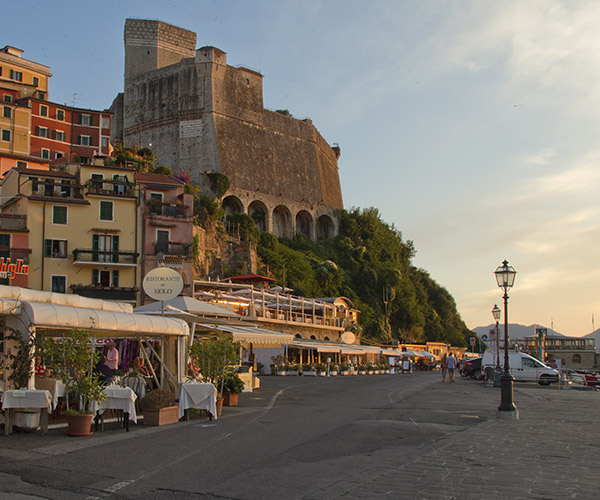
(551, 452)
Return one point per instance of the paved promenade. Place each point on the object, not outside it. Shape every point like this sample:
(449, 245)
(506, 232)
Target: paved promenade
(551, 452)
(300, 438)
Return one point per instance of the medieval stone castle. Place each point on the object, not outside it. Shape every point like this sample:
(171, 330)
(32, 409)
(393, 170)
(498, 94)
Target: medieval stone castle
(201, 115)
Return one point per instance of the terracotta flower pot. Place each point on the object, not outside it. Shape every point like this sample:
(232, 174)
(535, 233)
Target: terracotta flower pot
(79, 424)
(219, 406)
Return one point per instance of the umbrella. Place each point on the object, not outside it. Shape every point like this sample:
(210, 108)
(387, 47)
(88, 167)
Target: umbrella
(409, 354)
(172, 312)
(426, 355)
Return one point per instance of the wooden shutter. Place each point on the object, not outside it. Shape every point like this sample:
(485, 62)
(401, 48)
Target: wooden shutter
(95, 246)
(48, 248)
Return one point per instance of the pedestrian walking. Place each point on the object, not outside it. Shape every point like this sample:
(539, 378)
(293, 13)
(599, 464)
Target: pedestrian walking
(451, 364)
(444, 368)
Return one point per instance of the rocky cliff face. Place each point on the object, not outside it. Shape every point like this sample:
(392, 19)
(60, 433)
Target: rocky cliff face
(220, 254)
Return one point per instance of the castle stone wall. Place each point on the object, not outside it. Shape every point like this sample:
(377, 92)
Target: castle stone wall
(202, 115)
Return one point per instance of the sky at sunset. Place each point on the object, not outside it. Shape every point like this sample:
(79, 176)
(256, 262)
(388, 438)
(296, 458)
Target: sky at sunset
(473, 126)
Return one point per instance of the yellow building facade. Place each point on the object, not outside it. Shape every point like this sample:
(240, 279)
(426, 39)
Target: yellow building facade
(83, 228)
(19, 78)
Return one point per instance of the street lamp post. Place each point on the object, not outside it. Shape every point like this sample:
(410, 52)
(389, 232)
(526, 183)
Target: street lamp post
(496, 312)
(505, 277)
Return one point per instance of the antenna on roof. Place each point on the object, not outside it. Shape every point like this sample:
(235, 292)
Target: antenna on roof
(75, 94)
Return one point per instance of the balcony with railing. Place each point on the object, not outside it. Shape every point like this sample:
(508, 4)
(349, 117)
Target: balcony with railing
(49, 188)
(128, 294)
(13, 222)
(173, 248)
(115, 258)
(171, 209)
(111, 187)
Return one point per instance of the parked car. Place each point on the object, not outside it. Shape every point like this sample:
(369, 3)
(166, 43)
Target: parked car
(525, 368)
(471, 368)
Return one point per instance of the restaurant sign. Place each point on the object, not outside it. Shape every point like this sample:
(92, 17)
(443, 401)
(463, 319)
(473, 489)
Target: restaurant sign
(163, 283)
(8, 270)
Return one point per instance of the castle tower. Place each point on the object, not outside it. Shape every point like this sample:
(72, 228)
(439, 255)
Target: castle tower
(201, 115)
(150, 45)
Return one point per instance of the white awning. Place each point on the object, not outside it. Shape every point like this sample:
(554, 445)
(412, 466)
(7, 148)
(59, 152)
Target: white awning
(60, 317)
(335, 348)
(251, 334)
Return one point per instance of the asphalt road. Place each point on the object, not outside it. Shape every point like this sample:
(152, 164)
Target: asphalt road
(295, 438)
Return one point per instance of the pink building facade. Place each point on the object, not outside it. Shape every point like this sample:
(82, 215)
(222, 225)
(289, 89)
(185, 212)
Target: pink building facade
(167, 227)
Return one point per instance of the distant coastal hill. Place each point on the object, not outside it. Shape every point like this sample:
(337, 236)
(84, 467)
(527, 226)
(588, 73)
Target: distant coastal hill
(515, 331)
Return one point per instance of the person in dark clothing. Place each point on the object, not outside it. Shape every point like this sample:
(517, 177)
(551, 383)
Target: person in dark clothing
(103, 371)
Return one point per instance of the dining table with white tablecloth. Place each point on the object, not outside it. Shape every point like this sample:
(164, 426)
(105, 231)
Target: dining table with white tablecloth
(197, 395)
(55, 387)
(24, 399)
(117, 398)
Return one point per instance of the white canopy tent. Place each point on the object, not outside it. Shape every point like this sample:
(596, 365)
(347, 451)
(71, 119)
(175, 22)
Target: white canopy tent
(54, 314)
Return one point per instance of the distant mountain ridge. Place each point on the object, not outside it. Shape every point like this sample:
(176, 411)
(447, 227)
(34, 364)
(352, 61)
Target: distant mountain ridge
(516, 331)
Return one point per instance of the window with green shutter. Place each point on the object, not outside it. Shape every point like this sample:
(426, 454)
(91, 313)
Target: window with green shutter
(106, 210)
(59, 215)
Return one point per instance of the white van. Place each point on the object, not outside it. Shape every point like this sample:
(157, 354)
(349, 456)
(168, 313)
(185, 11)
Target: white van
(523, 367)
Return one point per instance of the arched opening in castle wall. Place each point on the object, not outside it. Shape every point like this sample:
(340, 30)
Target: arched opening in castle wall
(304, 223)
(260, 213)
(282, 222)
(232, 204)
(325, 227)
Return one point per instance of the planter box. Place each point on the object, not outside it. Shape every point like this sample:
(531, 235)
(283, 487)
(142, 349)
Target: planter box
(322, 374)
(310, 373)
(230, 399)
(362, 372)
(161, 416)
(333, 373)
(345, 372)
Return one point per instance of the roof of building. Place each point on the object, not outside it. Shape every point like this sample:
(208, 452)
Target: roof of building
(158, 179)
(46, 173)
(250, 278)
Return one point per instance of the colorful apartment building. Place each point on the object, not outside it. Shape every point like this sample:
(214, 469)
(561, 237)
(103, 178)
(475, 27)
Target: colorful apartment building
(58, 131)
(28, 78)
(33, 129)
(167, 230)
(19, 78)
(82, 226)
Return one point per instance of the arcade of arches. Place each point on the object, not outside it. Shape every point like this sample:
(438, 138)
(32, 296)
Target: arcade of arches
(280, 220)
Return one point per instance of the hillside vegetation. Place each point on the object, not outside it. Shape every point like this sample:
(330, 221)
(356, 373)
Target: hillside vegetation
(369, 263)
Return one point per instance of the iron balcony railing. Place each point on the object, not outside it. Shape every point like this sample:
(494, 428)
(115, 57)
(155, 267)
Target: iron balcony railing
(104, 256)
(55, 189)
(110, 187)
(167, 209)
(106, 292)
(173, 248)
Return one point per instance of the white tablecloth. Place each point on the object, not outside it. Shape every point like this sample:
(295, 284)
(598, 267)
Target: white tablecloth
(196, 395)
(27, 399)
(56, 388)
(117, 398)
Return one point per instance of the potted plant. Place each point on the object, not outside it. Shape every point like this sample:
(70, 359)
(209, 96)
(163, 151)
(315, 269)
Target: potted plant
(322, 369)
(309, 370)
(232, 388)
(213, 357)
(362, 369)
(159, 408)
(344, 369)
(74, 358)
